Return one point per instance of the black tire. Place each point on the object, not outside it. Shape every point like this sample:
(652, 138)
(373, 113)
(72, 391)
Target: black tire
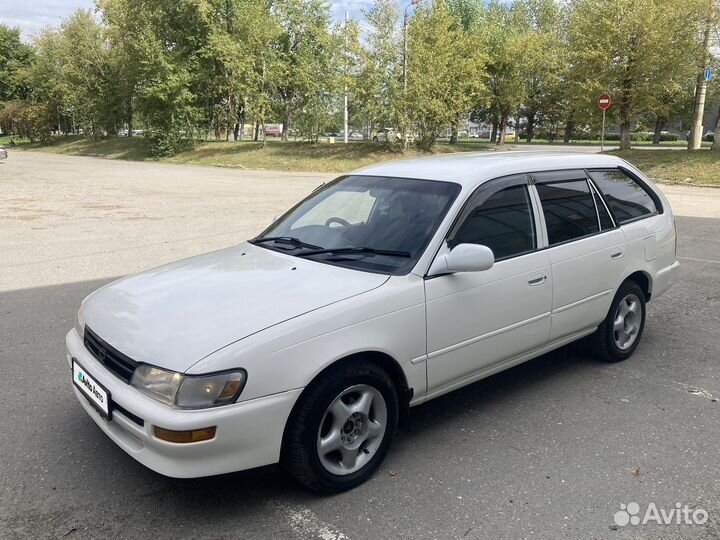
(604, 342)
(299, 455)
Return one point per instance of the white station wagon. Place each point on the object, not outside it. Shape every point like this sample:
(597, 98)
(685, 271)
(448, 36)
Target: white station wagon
(383, 289)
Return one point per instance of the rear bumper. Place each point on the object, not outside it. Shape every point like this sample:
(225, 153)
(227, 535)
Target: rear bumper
(249, 433)
(664, 279)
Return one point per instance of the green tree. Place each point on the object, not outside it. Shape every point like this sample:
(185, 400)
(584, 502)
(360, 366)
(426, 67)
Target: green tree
(88, 75)
(379, 88)
(14, 57)
(506, 41)
(543, 63)
(306, 68)
(631, 49)
(444, 71)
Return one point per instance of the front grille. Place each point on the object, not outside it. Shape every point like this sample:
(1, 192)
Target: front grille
(111, 358)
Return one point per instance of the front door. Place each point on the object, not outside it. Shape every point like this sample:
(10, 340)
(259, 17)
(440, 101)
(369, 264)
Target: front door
(479, 319)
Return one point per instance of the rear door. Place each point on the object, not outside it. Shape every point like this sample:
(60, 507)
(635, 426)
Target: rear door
(586, 249)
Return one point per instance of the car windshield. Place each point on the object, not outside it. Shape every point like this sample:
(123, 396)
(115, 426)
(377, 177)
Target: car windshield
(371, 223)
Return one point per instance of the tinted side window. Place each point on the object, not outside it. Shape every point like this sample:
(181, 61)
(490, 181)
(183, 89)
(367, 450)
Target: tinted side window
(504, 223)
(569, 210)
(626, 198)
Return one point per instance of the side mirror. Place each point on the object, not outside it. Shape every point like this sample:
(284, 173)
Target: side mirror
(464, 258)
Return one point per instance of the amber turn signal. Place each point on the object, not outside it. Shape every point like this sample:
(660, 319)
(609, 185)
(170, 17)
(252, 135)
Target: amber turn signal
(195, 435)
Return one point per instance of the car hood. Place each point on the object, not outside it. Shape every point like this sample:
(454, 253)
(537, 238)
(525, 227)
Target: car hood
(177, 314)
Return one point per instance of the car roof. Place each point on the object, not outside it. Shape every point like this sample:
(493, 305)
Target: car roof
(473, 168)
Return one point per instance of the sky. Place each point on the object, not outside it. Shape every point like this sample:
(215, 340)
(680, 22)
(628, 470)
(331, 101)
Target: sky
(33, 15)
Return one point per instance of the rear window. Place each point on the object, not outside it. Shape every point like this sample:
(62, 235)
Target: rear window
(626, 198)
(569, 210)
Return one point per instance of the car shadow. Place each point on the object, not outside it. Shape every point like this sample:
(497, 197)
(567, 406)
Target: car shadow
(64, 435)
(58, 456)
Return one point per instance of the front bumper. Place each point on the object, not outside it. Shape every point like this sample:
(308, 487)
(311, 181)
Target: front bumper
(249, 433)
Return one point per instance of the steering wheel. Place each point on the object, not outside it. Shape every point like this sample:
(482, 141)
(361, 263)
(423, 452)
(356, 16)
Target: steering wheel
(341, 221)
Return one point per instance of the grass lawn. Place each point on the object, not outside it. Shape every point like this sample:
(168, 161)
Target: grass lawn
(673, 166)
(301, 156)
(701, 167)
(277, 155)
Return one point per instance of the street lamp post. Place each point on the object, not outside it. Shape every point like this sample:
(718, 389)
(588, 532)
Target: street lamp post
(405, 61)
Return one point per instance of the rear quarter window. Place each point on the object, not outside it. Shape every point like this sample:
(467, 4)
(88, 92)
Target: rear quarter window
(626, 199)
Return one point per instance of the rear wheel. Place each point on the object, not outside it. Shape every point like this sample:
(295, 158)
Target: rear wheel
(620, 333)
(341, 428)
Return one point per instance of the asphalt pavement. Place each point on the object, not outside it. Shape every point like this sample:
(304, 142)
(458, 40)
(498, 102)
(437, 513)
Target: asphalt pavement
(549, 449)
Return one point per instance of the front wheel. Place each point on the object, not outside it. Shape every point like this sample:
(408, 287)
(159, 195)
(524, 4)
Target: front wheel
(619, 334)
(341, 428)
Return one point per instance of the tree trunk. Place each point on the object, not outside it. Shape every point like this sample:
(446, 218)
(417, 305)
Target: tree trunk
(530, 129)
(625, 104)
(569, 130)
(256, 137)
(659, 125)
(286, 126)
(129, 118)
(454, 132)
(501, 131)
(240, 126)
(264, 131)
(494, 132)
(625, 143)
(716, 140)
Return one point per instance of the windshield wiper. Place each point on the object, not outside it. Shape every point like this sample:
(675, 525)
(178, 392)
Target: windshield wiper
(361, 250)
(289, 240)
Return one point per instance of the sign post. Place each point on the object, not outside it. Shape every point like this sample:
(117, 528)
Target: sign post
(604, 102)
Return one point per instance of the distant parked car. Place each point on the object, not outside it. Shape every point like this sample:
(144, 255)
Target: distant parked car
(357, 135)
(389, 134)
(3, 152)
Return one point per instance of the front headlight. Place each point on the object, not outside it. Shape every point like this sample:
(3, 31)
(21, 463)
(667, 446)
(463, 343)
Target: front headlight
(80, 325)
(189, 391)
(157, 383)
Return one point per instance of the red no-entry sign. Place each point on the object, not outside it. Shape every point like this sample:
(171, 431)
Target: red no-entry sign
(604, 101)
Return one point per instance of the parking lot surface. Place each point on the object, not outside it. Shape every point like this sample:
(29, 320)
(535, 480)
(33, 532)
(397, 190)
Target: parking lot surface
(549, 449)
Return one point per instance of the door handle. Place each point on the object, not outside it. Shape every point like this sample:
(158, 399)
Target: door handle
(537, 279)
(616, 254)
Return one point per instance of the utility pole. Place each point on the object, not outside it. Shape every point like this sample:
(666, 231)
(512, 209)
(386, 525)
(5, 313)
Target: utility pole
(345, 132)
(696, 129)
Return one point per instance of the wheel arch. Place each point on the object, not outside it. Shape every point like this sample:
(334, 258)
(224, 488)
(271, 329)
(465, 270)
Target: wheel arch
(644, 281)
(381, 359)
